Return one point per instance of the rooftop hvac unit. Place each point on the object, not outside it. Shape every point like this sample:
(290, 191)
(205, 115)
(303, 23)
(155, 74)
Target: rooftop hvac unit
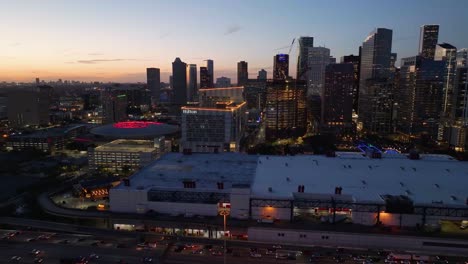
(270, 189)
(126, 182)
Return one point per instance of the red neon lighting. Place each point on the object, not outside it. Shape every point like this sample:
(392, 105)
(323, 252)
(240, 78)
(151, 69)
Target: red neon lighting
(135, 124)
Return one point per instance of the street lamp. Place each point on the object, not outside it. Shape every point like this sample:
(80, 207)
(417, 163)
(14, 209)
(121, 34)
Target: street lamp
(224, 212)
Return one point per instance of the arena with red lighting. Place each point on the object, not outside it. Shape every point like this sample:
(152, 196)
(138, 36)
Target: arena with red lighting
(135, 130)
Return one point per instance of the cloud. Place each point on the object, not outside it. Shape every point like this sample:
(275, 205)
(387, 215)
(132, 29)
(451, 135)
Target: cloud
(15, 44)
(232, 29)
(102, 60)
(95, 54)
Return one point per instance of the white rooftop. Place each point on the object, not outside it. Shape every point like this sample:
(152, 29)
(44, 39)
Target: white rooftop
(432, 179)
(127, 145)
(206, 170)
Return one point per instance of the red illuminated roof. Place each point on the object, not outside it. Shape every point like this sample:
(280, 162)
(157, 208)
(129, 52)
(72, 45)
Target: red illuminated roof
(135, 124)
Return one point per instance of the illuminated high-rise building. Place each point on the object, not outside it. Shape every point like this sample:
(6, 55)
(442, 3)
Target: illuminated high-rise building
(337, 99)
(285, 114)
(375, 88)
(355, 61)
(318, 58)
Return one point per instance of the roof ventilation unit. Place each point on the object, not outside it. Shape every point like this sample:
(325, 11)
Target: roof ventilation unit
(270, 189)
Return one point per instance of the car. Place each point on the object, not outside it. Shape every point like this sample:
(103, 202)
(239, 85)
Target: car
(38, 260)
(291, 256)
(30, 239)
(197, 252)
(179, 248)
(147, 260)
(35, 252)
(15, 259)
(270, 251)
(277, 246)
(65, 241)
(216, 253)
(81, 239)
(208, 247)
(255, 255)
(93, 256)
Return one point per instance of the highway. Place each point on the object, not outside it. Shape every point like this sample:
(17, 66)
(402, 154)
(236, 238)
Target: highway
(53, 246)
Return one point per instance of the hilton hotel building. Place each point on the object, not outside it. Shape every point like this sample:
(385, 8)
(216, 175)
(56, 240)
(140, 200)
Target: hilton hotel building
(213, 129)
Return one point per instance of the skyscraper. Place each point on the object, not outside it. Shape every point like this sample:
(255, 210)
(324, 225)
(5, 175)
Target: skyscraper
(204, 78)
(304, 44)
(375, 89)
(355, 61)
(281, 67)
(210, 68)
(458, 135)
(179, 82)
(429, 35)
(448, 53)
(153, 79)
(337, 99)
(420, 96)
(242, 73)
(192, 89)
(262, 75)
(462, 58)
(317, 58)
(286, 114)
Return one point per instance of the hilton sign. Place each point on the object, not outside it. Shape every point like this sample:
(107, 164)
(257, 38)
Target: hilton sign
(188, 111)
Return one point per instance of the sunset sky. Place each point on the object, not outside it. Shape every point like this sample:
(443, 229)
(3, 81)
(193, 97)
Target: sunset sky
(110, 40)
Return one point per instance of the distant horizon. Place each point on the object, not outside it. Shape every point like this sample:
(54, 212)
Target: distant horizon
(115, 41)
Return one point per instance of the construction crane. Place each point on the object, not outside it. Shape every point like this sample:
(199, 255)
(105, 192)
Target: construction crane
(292, 44)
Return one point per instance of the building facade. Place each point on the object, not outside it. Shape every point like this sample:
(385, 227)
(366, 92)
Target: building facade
(317, 59)
(179, 82)
(420, 96)
(204, 78)
(286, 112)
(428, 38)
(262, 75)
(280, 67)
(337, 100)
(223, 82)
(209, 97)
(192, 84)
(356, 62)
(242, 73)
(29, 106)
(215, 129)
(114, 106)
(153, 79)
(375, 87)
(124, 155)
(302, 67)
(210, 68)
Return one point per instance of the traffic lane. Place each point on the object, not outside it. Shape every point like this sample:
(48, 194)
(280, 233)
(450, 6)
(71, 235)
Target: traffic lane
(52, 253)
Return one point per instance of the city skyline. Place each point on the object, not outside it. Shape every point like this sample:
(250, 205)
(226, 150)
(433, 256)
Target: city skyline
(118, 40)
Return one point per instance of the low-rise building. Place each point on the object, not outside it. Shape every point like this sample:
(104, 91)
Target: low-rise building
(125, 155)
(387, 189)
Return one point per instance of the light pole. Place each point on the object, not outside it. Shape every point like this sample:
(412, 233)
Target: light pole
(225, 249)
(224, 212)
